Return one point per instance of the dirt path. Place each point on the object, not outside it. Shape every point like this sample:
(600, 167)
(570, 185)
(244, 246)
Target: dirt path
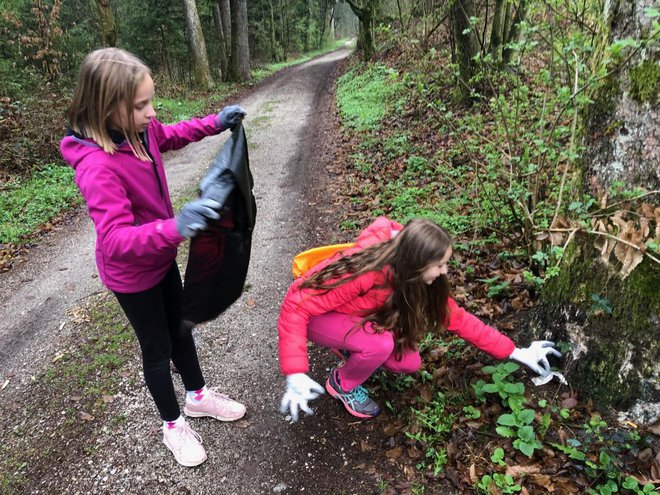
(288, 121)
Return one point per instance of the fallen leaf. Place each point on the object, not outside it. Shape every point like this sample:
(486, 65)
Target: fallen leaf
(569, 403)
(518, 470)
(365, 447)
(107, 399)
(473, 474)
(86, 417)
(394, 453)
(391, 429)
(414, 452)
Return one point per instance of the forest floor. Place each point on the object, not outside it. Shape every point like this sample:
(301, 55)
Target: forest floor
(75, 416)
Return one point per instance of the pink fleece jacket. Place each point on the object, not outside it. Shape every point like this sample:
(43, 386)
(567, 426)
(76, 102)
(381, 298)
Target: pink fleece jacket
(361, 294)
(129, 202)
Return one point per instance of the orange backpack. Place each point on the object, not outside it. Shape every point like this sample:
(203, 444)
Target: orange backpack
(302, 262)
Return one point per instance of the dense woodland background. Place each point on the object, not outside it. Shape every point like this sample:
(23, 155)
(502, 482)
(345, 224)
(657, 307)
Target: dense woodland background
(528, 128)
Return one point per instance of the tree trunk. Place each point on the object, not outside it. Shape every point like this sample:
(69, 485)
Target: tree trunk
(513, 32)
(465, 41)
(497, 30)
(240, 50)
(217, 21)
(107, 23)
(196, 46)
(274, 48)
(308, 27)
(225, 19)
(366, 13)
(612, 323)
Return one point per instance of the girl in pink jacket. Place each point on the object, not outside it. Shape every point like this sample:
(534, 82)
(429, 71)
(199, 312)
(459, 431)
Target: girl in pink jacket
(372, 304)
(114, 144)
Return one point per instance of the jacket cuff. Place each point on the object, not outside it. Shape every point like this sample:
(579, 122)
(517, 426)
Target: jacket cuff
(168, 229)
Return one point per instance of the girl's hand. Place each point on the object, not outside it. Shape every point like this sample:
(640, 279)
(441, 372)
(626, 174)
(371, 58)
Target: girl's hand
(194, 216)
(536, 356)
(299, 390)
(231, 116)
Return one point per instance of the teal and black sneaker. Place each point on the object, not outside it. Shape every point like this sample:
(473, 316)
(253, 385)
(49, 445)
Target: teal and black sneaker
(357, 401)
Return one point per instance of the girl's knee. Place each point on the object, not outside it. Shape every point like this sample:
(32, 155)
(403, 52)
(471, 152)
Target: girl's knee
(411, 363)
(381, 344)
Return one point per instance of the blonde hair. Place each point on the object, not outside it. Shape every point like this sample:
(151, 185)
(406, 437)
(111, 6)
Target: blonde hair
(108, 79)
(413, 307)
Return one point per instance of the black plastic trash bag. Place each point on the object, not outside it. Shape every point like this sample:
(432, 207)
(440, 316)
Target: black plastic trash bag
(219, 256)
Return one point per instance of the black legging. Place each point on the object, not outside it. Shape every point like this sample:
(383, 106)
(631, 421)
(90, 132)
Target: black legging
(155, 315)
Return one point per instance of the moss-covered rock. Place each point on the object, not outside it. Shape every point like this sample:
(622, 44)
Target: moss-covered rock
(612, 327)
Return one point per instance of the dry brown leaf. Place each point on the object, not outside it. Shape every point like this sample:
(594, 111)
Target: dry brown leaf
(365, 447)
(519, 469)
(86, 417)
(107, 399)
(394, 453)
(426, 394)
(473, 474)
(414, 452)
(542, 480)
(390, 429)
(569, 403)
(655, 428)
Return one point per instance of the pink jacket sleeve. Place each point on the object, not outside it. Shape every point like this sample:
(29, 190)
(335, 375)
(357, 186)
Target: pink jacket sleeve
(110, 209)
(176, 136)
(470, 328)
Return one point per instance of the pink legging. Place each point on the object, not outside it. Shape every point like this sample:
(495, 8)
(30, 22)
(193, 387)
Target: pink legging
(368, 350)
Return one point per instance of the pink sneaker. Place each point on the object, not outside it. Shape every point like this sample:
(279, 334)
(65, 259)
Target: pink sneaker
(185, 444)
(215, 405)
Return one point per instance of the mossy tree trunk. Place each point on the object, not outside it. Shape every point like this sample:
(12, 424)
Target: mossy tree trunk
(613, 324)
(366, 11)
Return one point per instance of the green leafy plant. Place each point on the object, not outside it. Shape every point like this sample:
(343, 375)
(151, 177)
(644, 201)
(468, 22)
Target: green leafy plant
(518, 426)
(504, 483)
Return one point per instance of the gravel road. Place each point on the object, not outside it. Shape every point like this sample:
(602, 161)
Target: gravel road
(264, 453)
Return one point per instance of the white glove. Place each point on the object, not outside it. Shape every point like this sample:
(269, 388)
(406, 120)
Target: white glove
(299, 389)
(535, 356)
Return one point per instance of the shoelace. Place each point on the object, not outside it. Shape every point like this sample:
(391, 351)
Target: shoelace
(213, 392)
(187, 431)
(359, 394)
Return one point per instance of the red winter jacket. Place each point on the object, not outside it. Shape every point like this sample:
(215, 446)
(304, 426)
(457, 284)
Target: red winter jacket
(359, 295)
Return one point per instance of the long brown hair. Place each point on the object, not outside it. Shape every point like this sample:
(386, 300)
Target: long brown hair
(413, 307)
(108, 79)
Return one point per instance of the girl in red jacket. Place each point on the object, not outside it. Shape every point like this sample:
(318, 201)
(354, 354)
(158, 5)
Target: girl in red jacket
(372, 304)
(114, 144)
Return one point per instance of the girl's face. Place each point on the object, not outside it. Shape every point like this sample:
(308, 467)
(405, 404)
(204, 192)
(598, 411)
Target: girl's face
(437, 268)
(143, 109)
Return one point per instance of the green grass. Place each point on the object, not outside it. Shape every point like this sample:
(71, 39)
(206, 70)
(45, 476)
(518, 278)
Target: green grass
(170, 110)
(26, 205)
(365, 94)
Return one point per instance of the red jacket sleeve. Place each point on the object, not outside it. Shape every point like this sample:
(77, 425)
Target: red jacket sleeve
(472, 329)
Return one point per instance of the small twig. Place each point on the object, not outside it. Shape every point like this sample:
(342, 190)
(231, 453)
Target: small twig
(627, 200)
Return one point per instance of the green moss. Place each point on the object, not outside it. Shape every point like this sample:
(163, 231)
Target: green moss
(645, 81)
(622, 347)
